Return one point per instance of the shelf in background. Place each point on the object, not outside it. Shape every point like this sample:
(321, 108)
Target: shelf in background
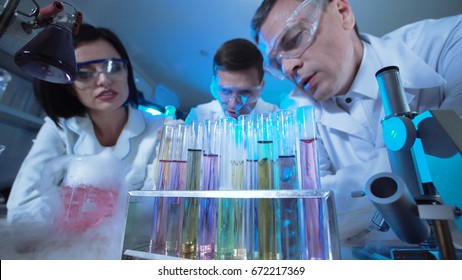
(18, 118)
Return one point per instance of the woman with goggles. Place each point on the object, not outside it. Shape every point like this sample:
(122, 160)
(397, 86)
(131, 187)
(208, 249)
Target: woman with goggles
(236, 85)
(97, 112)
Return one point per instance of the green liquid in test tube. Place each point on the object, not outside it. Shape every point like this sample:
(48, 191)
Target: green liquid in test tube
(225, 222)
(191, 204)
(237, 175)
(266, 207)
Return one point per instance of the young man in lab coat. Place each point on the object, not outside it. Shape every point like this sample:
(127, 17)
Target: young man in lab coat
(315, 44)
(236, 85)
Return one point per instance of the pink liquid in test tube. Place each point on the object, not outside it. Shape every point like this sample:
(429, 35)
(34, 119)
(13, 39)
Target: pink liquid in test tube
(309, 169)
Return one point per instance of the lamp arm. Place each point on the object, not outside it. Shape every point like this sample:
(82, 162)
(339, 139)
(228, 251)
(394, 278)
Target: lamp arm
(7, 14)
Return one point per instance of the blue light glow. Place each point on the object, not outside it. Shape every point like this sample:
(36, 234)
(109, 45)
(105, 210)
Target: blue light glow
(150, 110)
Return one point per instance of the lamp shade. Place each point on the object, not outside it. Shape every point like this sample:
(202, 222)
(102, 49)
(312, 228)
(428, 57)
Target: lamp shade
(49, 56)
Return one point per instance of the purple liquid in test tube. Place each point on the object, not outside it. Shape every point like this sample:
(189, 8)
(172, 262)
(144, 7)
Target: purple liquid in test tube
(209, 182)
(309, 169)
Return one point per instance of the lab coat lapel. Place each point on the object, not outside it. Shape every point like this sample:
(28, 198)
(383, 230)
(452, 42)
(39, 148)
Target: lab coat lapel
(261, 107)
(216, 111)
(87, 143)
(216, 115)
(135, 126)
(427, 77)
(336, 118)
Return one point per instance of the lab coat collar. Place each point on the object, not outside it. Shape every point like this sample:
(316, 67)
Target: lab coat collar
(329, 114)
(261, 106)
(87, 143)
(406, 60)
(364, 87)
(365, 84)
(216, 110)
(336, 118)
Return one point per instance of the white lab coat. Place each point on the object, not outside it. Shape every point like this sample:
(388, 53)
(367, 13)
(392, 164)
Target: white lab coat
(213, 110)
(136, 146)
(429, 56)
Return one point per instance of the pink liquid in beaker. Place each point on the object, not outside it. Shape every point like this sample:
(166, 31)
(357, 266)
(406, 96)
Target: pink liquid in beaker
(84, 207)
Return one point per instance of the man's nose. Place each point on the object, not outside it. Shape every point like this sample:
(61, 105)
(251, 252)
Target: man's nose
(290, 66)
(235, 102)
(235, 99)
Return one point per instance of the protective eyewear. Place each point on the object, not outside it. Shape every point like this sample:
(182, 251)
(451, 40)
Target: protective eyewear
(243, 94)
(294, 39)
(89, 71)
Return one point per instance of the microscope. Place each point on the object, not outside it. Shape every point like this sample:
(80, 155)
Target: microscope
(422, 194)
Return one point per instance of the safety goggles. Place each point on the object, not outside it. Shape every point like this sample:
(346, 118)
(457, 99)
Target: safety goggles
(89, 71)
(245, 95)
(294, 39)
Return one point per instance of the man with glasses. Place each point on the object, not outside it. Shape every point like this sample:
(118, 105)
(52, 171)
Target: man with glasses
(236, 85)
(316, 45)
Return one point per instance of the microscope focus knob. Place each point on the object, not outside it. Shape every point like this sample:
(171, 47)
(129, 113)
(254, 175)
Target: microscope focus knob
(399, 133)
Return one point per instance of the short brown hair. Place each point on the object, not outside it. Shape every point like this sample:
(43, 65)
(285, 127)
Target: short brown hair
(238, 54)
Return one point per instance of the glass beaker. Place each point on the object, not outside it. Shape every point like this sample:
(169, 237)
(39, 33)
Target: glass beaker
(49, 56)
(91, 190)
(5, 78)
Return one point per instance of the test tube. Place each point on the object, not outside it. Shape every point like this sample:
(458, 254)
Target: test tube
(225, 223)
(287, 179)
(310, 177)
(193, 176)
(247, 124)
(308, 153)
(238, 168)
(267, 245)
(159, 231)
(167, 227)
(209, 181)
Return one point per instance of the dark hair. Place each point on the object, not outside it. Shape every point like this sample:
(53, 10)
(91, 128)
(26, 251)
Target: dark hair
(238, 54)
(60, 100)
(263, 11)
